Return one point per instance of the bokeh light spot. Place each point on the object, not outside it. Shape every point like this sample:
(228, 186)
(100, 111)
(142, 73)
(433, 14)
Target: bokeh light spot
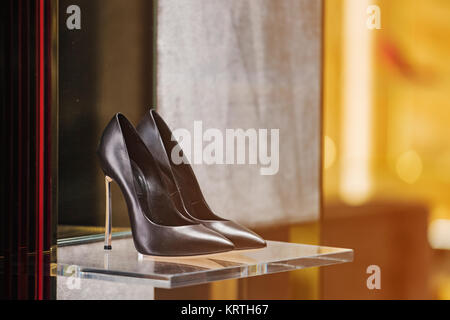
(409, 166)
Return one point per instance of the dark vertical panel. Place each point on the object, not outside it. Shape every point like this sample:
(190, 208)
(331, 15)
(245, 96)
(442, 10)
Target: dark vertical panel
(22, 236)
(49, 236)
(25, 216)
(31, 144)
(78, 83)
(105, 67)
(3, 72)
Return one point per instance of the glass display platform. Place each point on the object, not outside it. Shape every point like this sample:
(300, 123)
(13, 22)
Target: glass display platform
(125, 264)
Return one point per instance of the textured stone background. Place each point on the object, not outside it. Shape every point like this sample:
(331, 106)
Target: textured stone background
(248, 64)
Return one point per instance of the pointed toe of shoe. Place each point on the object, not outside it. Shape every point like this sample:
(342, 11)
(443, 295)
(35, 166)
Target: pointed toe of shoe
(207, 241)
(224, 244)
(241, 237)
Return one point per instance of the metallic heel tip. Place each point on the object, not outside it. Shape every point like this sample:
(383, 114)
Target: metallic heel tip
(107, 247)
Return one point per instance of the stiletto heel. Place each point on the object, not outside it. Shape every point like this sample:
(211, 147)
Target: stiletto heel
(185, 190)
(158, 228)
(108, 214)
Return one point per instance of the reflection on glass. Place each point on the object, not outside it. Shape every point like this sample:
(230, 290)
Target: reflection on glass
(125, 264)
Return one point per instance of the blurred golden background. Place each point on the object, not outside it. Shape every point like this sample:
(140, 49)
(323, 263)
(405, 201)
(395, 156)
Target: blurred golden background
(387, 146)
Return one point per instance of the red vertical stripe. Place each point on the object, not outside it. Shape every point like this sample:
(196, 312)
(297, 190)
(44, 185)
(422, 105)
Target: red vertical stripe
(48, 148)
(36, 194)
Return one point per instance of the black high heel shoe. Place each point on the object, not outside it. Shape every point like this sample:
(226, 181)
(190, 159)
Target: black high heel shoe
(186, 193)
(157, 226)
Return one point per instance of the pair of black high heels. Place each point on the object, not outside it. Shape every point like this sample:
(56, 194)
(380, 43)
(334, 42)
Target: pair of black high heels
(168, 213)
